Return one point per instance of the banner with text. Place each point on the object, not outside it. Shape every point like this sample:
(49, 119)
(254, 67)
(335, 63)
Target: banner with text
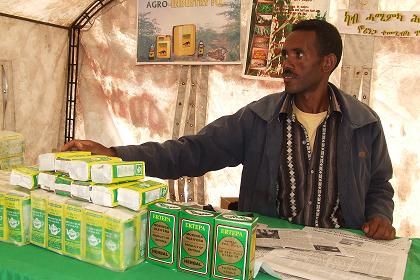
(188, 31)
(270, 23)
(377, 23)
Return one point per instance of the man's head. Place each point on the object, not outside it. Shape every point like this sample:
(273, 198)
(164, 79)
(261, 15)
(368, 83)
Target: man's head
(309, 55)
(327, 36)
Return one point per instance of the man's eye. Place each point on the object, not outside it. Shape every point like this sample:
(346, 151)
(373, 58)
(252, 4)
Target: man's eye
(299, 54)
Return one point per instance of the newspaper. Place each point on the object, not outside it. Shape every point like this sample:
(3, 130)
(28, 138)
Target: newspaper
(351, 239)
(314, 253)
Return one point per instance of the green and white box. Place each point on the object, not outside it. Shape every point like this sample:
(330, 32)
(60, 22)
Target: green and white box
(62, 185)
(11, 162)
(26, 177)
(196, 241)
(120, 242)
(46, 179)
(108, 173)
(80, 169)
(17, 203)
(47, 161)
(162, 234)
(93, 234)
(234, 247)
(106, 194)
(81, 190)
(38, 228)
(141, 235)
(11, 144)
(55, 220)
(3, 231)
(141, 193)
(73, 228)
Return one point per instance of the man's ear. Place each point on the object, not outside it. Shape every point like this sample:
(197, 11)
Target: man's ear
(328, 62)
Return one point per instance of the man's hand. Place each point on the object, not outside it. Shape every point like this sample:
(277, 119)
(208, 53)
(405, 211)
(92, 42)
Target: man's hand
(379, 228)
(90, 146)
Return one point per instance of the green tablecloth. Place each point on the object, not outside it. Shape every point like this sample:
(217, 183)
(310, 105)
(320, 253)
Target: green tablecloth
(31, 262)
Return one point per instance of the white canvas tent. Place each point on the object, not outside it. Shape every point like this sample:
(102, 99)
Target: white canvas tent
(119, 102)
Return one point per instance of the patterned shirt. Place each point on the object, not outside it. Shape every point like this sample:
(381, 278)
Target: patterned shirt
(308, 191)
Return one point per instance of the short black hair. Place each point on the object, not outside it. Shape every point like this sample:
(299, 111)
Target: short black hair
(327, 36)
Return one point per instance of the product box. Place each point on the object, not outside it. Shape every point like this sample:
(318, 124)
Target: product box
(106, 194)
(3, 225)
(163, 45)
(114, 172)
(196, 241)
(234, 247)
(11, 162)
(93, 234)
(120, 242)
(141, 235)
(46, 179)
(73, 228)
(62, 185)
(26, 177)
(38, 229)
(80, 169)
(55, 220)
(11, 144)
(17, 204)
(81, 190)
(49, 162)
(162, 234)
(184, 39)
(141, 193)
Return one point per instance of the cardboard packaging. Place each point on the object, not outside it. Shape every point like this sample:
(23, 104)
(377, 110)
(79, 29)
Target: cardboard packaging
(38, 229)
(234, 247)
(162, 234)
(115, 172)
(196, 241)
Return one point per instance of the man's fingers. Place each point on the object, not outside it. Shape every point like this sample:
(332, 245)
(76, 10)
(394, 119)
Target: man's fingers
(80, 145)
(390, 234)
(68, 146)
(381, 232)
(372, 227)
(379, 228)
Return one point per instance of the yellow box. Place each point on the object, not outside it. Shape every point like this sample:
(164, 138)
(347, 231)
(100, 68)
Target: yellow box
(163, 45)
(3, 228)
(184, 39)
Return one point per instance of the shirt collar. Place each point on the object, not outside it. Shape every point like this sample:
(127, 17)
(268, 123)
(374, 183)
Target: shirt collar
(286, 106)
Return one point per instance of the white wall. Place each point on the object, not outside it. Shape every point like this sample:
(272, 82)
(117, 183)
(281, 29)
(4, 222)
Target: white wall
(38, 55)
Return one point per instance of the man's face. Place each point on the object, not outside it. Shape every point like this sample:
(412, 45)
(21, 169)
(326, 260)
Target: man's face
(301, 62)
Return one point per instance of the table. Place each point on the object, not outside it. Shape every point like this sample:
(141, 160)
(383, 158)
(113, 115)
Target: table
(35, 263)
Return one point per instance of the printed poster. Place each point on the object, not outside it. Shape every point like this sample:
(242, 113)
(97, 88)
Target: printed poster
(188, 31)
(379, 23)
(271, 21)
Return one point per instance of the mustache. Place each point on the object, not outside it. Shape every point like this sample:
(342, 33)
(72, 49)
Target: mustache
(288, 72)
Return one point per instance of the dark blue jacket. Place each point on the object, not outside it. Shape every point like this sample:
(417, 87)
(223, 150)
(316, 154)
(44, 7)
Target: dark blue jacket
(251, 137)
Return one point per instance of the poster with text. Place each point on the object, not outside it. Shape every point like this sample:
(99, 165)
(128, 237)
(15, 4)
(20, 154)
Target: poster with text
(270, 23)
(188, 31)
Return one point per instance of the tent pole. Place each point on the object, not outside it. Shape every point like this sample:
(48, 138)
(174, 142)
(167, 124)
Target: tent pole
(73, 64)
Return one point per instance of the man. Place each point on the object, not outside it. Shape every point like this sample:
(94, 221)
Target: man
(312, 154)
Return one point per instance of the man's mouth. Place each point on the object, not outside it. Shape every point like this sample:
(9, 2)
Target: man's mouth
(288, 74)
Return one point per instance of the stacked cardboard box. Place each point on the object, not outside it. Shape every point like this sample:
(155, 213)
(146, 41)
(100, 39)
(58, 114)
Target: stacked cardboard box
(12, 148)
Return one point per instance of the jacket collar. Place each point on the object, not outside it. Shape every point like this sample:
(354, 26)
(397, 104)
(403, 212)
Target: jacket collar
(353, 111)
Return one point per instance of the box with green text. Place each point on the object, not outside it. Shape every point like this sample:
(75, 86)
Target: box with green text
(196, 241)
(74, 223)
(162, 234)
(38, 229)
(234, 247)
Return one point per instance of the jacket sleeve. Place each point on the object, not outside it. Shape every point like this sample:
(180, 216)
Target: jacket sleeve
(379, 195)
(218, 145)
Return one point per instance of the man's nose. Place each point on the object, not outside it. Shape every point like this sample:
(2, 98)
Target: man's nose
(286, 63)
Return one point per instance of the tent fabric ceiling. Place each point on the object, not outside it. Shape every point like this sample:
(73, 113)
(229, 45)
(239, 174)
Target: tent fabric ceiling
(52, 11)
